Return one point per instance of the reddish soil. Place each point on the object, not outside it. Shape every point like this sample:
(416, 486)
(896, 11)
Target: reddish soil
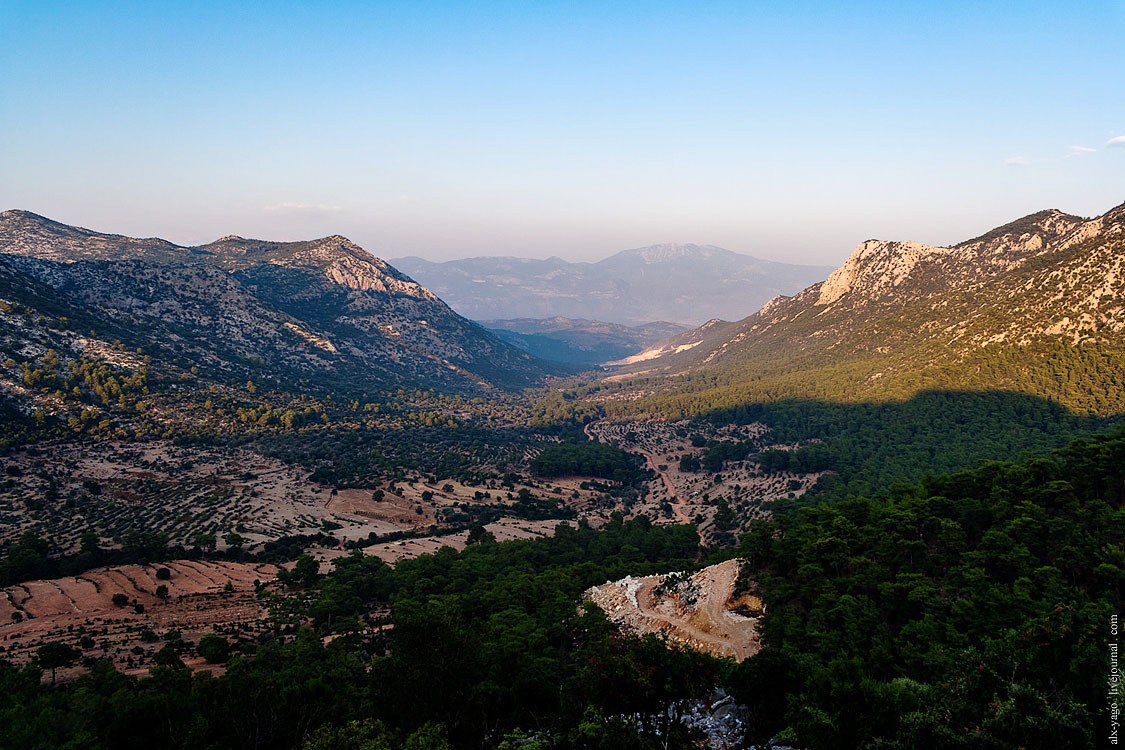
(65, 609)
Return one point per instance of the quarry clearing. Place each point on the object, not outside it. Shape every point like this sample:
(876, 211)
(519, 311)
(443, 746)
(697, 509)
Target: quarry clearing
(715, 610)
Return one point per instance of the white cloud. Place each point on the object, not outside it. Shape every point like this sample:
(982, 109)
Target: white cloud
(1078, 151)
(1118, 141)
(1017, 161)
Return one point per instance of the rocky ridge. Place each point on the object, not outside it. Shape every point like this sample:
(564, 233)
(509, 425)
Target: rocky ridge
(319, 308)
(894, 309)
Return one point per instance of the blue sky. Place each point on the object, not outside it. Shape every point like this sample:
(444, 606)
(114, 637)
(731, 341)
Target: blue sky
(790, 131)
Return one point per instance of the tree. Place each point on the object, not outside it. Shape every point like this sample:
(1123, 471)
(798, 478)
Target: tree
(479, 535)
(54, 655)
(163, 574)
(206, 542)
(167, 656)
(162, 591)
(214, 648)
(120, 599)
(306, 570)
(374, 735)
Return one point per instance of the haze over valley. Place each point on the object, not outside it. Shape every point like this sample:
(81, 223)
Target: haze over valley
(561, 377)
(685, 284)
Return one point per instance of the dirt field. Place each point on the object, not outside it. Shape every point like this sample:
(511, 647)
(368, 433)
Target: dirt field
(504, 530)
(678, 497)
(701, 611)
(199, 601)
(60, 491)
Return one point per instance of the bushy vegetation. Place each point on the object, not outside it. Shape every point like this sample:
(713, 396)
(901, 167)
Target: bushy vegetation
(488, 645)
(970, 610)
(588, 459)
(967, 611)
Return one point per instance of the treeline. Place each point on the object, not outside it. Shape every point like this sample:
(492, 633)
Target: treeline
(968, 611)
(488, 649)
(31, 558)
(587, 459)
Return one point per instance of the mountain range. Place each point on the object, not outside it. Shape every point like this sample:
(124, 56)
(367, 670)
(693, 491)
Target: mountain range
(579, 342)
(323, 310)
(1036, 305)
(686, 284)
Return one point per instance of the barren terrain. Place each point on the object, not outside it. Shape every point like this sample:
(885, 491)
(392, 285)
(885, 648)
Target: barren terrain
(202, 597)
(715, 610)
(684, 496)
(60, 491)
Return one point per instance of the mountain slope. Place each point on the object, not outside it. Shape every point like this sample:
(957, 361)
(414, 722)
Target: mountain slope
(579, 342)
(322, 310)
(682, 283)
(1037, 305)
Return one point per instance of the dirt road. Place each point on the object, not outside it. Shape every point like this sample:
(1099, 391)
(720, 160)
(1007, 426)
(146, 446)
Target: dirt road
(679, 500)
(707, 625)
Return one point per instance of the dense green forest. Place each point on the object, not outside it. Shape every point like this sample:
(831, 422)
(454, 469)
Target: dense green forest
(971, 610)
(588, 459)
(870, 447)
(966, 611)
(1087, 378)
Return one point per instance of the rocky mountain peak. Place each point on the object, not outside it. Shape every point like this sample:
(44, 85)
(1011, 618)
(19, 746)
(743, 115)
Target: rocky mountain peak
(1046, 225)
(874, 267)
(321, 308)
(879, 269)
(670, 251)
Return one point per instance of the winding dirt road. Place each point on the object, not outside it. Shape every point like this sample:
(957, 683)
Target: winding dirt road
(669, 485)
(709, 626)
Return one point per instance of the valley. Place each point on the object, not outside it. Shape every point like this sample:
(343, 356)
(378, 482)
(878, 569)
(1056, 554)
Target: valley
(297, 450)
(683, 283)
(561, 376)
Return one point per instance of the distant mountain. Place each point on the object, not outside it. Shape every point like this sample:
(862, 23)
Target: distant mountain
(322, 310)
(1037, 306)
(579, 342)
(682, 283)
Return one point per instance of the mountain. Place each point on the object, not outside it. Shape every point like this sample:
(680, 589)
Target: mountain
(683, 283)
(579, 342)
(1037, 306)
(322, 310)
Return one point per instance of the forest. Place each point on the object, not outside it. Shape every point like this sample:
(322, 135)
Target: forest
(968, 610)
(869, 447)
(588, 459)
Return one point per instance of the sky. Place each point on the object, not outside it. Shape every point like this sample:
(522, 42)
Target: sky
(791, 131)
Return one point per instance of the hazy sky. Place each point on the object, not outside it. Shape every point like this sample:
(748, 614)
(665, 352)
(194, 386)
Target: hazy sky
(787, 130)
